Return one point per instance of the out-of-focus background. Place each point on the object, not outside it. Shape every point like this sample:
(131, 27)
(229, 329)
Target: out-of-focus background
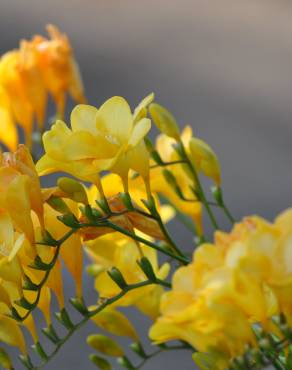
(222, 66)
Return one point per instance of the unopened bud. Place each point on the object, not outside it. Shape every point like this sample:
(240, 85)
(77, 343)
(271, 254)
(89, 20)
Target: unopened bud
(164, 121)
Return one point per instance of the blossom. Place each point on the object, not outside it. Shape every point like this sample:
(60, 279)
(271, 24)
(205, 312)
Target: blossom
(28, 74)
(159, 184)
(114, 250)
(99, 139)
(138, 219)
(244, 278)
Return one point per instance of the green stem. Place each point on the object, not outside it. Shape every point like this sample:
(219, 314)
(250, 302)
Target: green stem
(199, 186)
(227, 213)
(47, 273)
(94, 312)
(115, 227)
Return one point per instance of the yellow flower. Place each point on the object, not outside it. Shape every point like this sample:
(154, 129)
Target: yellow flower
(20, 190)
(40, 66)
(58, 67)
(99, 139)
(164, 146)
(244, 278)
(114, 250)
(113, 187)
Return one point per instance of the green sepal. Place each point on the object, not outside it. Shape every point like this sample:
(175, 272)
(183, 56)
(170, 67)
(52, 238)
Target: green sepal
(217, 195)
(24, 303)
(38, 264)
(79, 305)
(26, 361)
(64, 318)
(70, 220)
(103, 205)
(171, 180)
(147, 268)
(100, 362)
(126, 363)
(15, 315)
(138, 349)
(150, 205)
(29, 285)
(51, 334)
(89, 212)
(116, 275)
(37, 347)
(127, 201)
(48, 239)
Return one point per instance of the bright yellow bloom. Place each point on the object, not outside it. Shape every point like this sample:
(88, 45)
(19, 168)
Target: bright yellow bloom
(113, 187)
(20, 190)
(114, 250)
(159, 184)
(244, 278)
(99, 139)
(40, 66)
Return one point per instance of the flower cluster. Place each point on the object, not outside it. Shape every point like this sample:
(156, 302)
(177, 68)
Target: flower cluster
(231, 306)
(244, 278)
(28, 74)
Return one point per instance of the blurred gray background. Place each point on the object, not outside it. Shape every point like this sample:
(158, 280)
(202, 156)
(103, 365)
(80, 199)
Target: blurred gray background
(222, 66)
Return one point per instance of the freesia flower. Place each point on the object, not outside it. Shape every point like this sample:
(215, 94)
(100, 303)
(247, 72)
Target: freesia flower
(159, 185)
(245, 278)
(39, 67)
(99, 139)
(123, 253)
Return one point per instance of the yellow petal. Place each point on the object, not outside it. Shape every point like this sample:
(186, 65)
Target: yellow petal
(83, 118)
(11, 333)
(140, 130)
(114, 119)
(141, 109)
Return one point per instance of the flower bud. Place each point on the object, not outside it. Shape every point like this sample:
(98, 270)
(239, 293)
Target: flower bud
(100, 362)
(73, 189)
(147, 268)
(105, 345)
(164, 120)
(204, 159)
(116, 275)
(5, 361)
(58, 204)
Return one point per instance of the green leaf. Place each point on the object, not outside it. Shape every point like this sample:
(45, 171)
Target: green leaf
(105, 345)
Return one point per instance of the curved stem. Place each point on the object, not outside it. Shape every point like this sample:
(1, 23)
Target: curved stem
(59, 242)
(180, 258)
(199, 186)
(98, 309)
